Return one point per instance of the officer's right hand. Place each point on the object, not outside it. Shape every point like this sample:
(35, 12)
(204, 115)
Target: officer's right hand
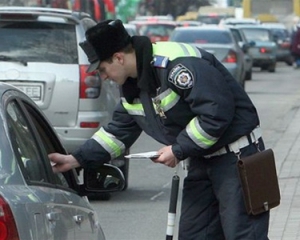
(62, 162)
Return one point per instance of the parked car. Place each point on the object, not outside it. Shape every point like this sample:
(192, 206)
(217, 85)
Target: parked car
(131, 29)
(40, 54)
(245, 45)
(283, 39)
(264, 47)
(156, 30)
(218, 41)
(35, 202)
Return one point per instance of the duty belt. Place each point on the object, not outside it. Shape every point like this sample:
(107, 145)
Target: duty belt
(238, 144)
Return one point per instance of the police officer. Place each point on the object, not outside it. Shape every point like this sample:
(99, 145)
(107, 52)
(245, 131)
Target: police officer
(186, 99)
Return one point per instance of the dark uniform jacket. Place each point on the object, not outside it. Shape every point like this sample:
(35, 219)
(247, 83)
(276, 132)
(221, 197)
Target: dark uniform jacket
(183, 97)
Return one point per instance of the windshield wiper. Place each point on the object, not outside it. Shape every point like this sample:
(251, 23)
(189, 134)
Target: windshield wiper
(12, 59)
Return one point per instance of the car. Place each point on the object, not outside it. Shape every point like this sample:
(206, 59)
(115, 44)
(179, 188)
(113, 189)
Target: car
(131, 29)
(245, 45)
(188, 23)
(40, 54)
(218, 41)
(238, 21)
(264, 49)
(156, 30)
(35, 202)
(283, 40)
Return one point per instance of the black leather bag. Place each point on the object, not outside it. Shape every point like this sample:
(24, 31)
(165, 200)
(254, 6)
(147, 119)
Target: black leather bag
(259, 182)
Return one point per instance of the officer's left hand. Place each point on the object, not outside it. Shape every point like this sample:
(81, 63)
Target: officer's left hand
(166, 157)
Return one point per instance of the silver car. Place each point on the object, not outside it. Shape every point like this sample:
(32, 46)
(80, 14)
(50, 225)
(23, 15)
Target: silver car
(40, 54)
(35, 203)
(218, 41)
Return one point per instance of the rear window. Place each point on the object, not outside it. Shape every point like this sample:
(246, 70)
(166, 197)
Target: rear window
(203, 36)
(257, 35)
(39, 42)
(281, 34)
(156, 30)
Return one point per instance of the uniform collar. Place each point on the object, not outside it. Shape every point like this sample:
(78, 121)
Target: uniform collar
(146, 80)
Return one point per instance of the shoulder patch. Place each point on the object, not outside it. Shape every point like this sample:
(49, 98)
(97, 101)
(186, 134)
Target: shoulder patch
(160, 61)
(181, 77)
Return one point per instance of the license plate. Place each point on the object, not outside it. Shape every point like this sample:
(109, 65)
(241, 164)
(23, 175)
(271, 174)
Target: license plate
(34, 91)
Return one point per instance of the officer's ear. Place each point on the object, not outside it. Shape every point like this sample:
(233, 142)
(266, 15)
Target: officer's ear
(119, 57)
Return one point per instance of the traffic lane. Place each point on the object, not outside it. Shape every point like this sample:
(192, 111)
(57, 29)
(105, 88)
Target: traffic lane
(275, 96)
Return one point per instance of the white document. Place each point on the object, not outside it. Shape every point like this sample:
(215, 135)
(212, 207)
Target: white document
(152, 154)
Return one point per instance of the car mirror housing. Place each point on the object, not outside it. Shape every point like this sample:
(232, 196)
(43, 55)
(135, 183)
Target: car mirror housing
(106, 178)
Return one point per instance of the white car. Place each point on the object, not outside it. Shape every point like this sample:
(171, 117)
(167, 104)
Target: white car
(40, 54)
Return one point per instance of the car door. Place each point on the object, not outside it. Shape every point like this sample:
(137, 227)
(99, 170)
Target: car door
(56, 211)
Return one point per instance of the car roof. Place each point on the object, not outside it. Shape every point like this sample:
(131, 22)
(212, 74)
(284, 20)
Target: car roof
(33, 13)
(254, 26)
(275, 25)
(211, 27)
(160, 22)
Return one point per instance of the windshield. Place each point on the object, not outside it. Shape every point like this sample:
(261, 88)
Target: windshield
(39, 42)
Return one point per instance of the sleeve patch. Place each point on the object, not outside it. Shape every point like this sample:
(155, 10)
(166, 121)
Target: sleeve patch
(181, 77)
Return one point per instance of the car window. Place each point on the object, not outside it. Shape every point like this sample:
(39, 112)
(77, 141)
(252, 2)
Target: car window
(49, 142)
(281, 34)
(9, 172)
(203, 36)
(157, 30)
(24, 145)
(39, 42)
(237, 35)
(257, 35)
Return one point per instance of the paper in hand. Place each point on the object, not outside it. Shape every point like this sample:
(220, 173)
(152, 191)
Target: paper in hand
(151, 154)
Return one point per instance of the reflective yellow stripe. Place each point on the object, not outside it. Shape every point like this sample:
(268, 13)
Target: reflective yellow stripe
(109, 142)
(198, 135)
(168, 99)
(173, 50)
(134, 109)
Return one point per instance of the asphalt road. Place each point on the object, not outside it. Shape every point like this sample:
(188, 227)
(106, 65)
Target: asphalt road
(140, 212)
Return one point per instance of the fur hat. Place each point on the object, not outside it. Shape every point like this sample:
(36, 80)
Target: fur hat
(106, 38)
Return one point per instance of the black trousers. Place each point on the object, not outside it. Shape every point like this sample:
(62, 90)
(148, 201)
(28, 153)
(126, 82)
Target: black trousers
(212, 204)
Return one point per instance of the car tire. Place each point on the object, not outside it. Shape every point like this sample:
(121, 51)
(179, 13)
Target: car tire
(272, 67)
(248, 75)
(289, 61)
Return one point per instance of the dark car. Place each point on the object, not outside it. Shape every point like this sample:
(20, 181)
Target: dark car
(283, 39)
(35, 202)
(264, 49)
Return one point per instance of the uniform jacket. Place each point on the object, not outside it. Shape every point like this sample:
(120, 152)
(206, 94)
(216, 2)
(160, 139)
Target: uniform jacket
(183, 97)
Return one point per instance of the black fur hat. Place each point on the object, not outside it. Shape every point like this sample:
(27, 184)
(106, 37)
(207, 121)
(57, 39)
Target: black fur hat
(106, 38)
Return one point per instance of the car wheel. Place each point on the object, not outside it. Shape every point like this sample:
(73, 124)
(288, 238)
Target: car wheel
(248, 75)
(289, 61)
(272, 67)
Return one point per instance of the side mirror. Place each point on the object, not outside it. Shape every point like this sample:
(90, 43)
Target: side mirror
(106, 178)
(251, 43)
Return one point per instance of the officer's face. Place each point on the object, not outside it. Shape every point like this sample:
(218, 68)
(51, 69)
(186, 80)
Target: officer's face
(113, 69)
